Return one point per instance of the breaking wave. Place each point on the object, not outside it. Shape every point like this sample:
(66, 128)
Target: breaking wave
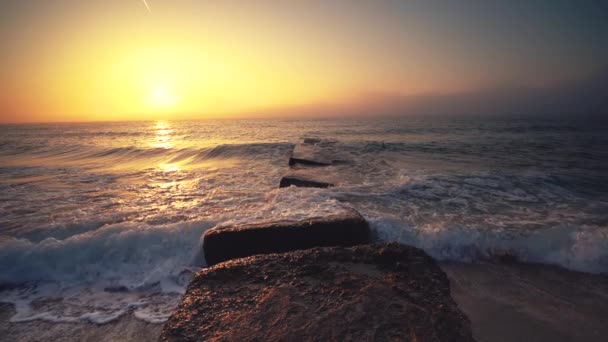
(118, 155)
(582, 248)
(94, 225)
(101, 274)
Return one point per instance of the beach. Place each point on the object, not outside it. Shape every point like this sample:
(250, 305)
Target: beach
(505, 301)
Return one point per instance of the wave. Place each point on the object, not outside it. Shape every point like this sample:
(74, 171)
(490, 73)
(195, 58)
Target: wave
(128, 254)
(579, 248)
(118, 155)
(124, 268)
(95, 269)
(102, 274)
(132, 267)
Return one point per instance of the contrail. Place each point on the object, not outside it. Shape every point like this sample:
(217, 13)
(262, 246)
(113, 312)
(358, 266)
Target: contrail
(148, 7)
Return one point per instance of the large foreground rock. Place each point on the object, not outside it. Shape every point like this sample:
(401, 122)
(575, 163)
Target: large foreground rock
(365, 293)
(344, 229)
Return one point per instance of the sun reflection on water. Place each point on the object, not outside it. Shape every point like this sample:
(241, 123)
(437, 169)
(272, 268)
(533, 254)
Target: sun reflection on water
(163, 135)
(164, 140)
(169, 167)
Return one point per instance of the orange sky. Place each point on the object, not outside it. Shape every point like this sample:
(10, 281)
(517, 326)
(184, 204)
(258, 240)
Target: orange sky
(69, 60)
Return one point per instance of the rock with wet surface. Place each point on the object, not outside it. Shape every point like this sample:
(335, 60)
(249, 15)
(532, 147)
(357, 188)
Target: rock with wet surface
(343, 229)
(385, 292)
(311, 141)
(310, 155)
(302, 182)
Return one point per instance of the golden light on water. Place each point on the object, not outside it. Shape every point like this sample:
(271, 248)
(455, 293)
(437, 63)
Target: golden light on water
(171, 167)
(163, 135)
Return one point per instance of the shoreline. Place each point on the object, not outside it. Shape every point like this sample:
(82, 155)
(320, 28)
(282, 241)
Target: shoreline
(125, 328)
(505, 301)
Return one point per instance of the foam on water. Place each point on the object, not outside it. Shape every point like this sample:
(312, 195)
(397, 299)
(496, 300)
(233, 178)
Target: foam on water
(129, 254)
(101, 274)
(535, 218)
(578, 248)
(67, 304)
(102, 220)
(131, 267)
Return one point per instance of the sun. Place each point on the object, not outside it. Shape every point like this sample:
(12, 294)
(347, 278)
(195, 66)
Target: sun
(161, 97)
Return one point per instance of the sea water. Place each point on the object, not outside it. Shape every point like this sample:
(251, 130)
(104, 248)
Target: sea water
(99, 220)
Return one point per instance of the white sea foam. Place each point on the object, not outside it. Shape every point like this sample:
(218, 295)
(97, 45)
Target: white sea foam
(98, 221)
(290, 203)
(580, 248)
(129, 254)
(130, 267)
(99, 275)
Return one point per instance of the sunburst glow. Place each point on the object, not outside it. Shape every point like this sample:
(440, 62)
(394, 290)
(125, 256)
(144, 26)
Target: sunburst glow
(117, 60)
(162, 98)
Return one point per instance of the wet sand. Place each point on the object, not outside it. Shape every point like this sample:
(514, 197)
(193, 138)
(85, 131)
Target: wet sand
(526, 302)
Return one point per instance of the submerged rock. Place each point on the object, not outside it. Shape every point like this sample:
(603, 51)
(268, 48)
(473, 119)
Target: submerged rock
(385, 292)
(309, 155)
(311, 141)
(309, 162)
(288, 181)
(344, 229)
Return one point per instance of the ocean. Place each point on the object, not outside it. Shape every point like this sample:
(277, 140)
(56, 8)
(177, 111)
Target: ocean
(99, 220)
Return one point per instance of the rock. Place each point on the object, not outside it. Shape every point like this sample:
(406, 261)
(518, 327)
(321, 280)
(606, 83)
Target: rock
(385, 292)
(288, 181)
(310, 155)
(116, 289)
(295, 161)
(344, 229)
(312, 141)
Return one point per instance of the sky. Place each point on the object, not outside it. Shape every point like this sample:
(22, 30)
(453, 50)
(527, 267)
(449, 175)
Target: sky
(74, 60)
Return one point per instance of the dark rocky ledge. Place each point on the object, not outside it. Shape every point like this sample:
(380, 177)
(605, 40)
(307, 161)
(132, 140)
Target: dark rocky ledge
(288, 181)
(344, 229)
(309, 155)
(295, 161)
(312, 141)
(386, 292)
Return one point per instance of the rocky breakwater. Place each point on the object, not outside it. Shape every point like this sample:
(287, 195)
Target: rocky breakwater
(302, 182)
(309, 154)
(306, 159)
(385, 292)
(303, 280)
(343, 229)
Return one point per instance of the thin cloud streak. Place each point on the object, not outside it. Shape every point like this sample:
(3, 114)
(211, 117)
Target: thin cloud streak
(148, 7)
